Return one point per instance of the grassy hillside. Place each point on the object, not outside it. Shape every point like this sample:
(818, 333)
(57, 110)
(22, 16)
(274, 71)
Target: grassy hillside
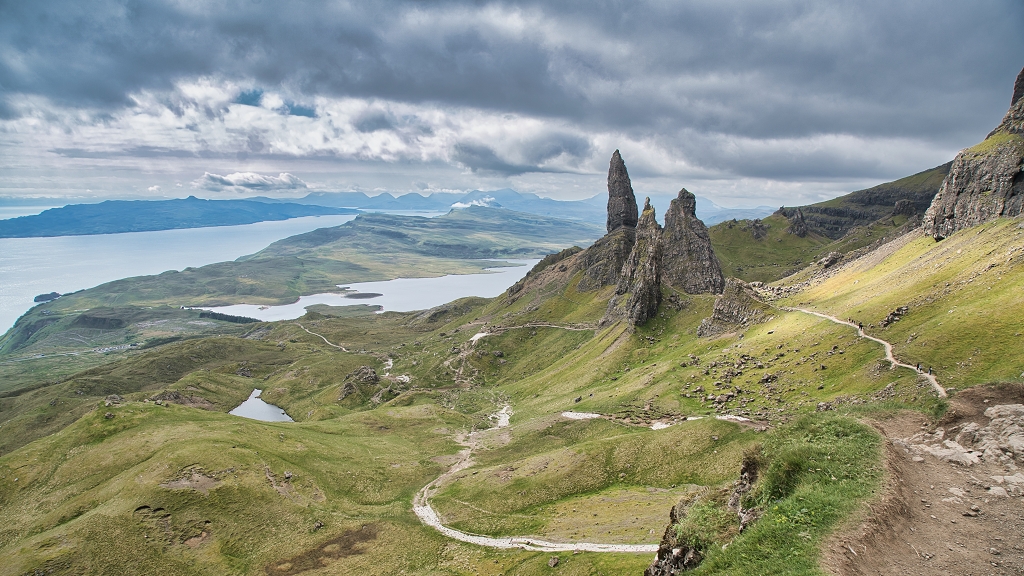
(766, 251)
(163, 487)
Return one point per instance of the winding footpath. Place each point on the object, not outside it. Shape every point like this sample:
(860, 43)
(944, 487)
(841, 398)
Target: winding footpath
(427, 515)
(329, 343)
(888, 348)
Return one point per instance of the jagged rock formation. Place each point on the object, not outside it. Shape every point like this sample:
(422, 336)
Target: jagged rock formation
(986, 181)
(797, 224)
(738, 307)
(689, 262)
(638, 293)
(603, 260)
(621, 201)
(903, 208)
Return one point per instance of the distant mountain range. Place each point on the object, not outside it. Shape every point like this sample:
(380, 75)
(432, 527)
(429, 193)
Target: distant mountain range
(116, 216)
(589, 210)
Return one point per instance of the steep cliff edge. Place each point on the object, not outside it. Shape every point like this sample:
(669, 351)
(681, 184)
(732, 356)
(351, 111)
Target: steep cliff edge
(985, 181)
(689, 262)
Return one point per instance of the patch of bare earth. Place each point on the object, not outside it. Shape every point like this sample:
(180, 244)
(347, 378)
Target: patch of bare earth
(954, 501)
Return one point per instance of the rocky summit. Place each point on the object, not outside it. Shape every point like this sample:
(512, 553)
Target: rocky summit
(689, 262)
(621, 200)
(985, 181)
(638, 293)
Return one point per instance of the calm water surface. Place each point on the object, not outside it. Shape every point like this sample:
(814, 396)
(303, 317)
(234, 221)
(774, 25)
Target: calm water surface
(31, 266)
(257, 409)
(400, 295)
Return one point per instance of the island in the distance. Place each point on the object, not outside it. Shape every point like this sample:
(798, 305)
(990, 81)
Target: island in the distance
(116, 216)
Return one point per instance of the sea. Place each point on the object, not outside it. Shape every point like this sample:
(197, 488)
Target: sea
(33, 266)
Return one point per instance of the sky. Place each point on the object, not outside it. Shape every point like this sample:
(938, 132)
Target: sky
(744, 102)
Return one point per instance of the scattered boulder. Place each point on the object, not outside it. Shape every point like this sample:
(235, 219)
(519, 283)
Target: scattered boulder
(108, 415)
(638, 293)
(553, 561)
(622, 210)
(830, 259)
(689, 261)
(894, 316)
(985, 181)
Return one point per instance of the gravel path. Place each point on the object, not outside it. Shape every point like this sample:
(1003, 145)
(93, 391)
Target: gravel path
(888, 348)
(329, 343)
(427, 515)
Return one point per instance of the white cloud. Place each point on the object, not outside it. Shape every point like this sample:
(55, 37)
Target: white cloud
(153, 189)
(248, 181)
(485, 201)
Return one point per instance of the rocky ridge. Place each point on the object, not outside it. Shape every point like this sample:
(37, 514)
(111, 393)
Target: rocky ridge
(738, 307)
(985, 181)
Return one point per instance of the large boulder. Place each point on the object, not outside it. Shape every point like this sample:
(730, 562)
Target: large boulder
(638, 292)
(622, 210)
(985, 181)
(689, 262)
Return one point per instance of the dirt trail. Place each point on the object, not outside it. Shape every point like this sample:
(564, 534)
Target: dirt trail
(427, 515)
(936, 517)
(888, 348)
(328, 342)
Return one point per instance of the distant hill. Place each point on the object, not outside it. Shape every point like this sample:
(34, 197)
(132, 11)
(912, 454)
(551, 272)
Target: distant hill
(589, 210)
(116, 216)
(789, 239)
(834, 218)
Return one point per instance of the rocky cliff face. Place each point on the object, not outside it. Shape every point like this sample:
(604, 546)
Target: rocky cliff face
(621, 201)
(986, 181)
(689, 262)
(638, 293)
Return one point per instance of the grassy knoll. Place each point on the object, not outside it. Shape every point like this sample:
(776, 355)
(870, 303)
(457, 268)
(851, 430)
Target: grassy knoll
(958, 293)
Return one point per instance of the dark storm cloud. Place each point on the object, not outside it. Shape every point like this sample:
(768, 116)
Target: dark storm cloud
(667, 72)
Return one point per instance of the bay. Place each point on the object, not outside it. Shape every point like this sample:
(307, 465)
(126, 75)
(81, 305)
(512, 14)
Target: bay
(31, 266)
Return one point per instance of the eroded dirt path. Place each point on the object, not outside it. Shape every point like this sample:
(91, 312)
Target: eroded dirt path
(427, 515)
(945, 511)
(320, 336)
(888, 348)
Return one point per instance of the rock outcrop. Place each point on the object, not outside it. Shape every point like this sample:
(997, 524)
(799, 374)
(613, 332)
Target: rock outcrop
(797, 224)
(638, 293)
(985, 181)
(603, 260)
(689, 262)
(738, 307)
(622, 210)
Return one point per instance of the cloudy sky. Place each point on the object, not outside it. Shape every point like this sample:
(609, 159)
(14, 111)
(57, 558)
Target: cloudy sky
(745, 102)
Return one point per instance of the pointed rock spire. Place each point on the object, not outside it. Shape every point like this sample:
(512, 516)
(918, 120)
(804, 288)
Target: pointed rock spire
(689, 262)
(621, 201)
(638, 293)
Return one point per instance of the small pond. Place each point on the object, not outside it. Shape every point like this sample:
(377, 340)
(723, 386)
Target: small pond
(257, 409)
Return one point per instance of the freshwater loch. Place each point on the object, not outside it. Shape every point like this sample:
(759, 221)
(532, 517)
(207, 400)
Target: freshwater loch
(256, 409)
(399, 295)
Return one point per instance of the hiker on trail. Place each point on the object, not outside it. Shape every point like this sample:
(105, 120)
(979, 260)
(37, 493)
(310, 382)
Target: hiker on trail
(929, 370)
(860, 325)
(918, 366)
